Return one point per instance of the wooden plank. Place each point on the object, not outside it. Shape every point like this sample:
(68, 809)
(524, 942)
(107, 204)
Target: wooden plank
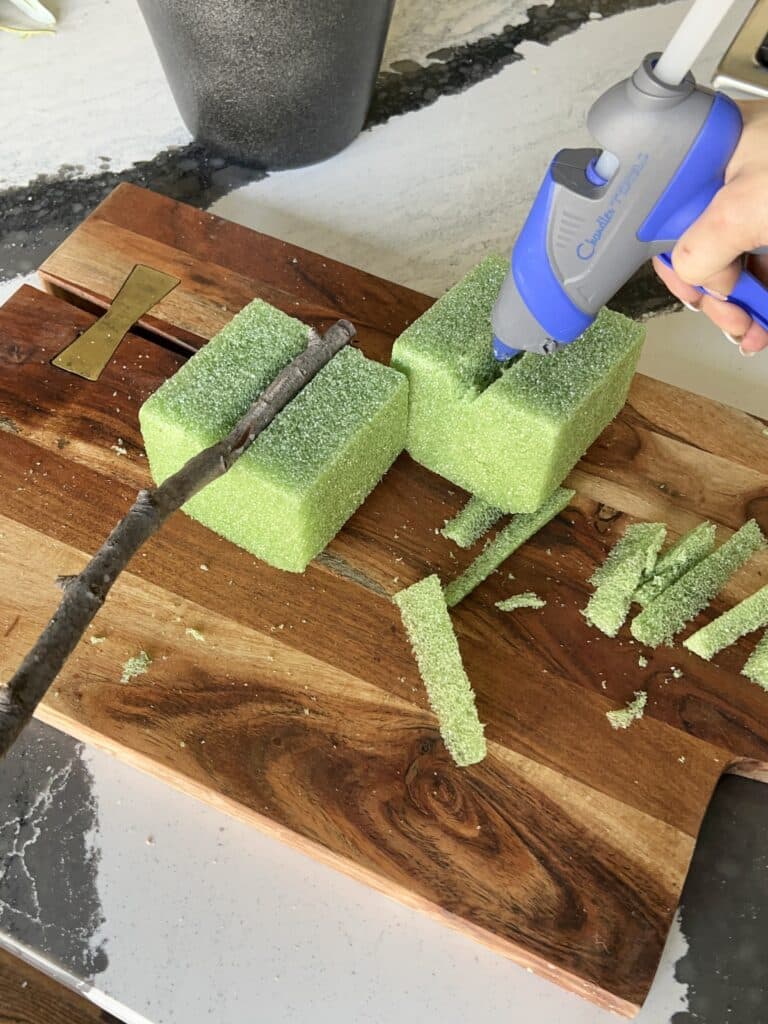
(356, 775)
(312, 278)
(584, 834)
(27, 996)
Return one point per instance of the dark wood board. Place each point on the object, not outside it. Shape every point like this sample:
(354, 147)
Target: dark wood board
(302, 710)
(27, 996)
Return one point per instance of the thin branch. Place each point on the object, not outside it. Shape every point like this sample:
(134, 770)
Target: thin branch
(85, 593)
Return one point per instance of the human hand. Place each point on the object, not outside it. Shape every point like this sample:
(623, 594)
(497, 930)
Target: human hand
(735, 222)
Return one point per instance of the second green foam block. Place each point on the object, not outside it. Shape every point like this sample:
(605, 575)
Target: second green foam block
(509, 436)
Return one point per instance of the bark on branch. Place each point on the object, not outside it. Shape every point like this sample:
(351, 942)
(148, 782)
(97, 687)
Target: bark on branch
(85, 593)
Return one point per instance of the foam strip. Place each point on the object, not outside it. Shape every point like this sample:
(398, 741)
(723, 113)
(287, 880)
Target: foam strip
(674, 563)
(508, 540)
(745, 617)
(756, 667)
(425, 617)
(471, 522)
(663, 618)
(629, 561)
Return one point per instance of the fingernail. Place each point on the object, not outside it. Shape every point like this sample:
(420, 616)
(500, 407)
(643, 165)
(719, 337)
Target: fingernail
(730, 337)
(747, 355)
(689, 305)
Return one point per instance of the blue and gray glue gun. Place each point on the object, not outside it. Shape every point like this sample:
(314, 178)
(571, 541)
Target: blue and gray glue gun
(601, 213)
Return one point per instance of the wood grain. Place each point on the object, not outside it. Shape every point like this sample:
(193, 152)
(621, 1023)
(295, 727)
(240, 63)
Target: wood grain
(27, 996)
(302, 711)
(290, 727)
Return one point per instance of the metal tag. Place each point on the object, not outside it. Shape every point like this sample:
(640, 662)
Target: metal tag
(87, 355)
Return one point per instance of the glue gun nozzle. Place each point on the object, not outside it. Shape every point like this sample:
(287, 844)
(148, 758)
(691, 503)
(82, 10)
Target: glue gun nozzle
(503, 352)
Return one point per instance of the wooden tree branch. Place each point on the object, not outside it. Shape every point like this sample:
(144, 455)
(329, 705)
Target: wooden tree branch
(85, 593)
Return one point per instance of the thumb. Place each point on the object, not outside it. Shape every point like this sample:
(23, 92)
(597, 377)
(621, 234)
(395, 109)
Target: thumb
(707, 252)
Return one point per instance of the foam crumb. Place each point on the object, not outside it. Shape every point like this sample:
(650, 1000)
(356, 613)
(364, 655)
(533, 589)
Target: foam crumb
(622, 718)
(138, 665)
(313, 465)
(525, 600)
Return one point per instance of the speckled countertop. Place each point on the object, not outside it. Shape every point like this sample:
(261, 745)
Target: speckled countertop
(162, 909)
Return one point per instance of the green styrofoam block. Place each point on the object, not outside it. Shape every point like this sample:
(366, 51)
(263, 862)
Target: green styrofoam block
(471, 522)
(676, 562)
(630, 560)
(426, 619)
(756, 667)
(745, 617)
(506, 541)
(302, 478)
(659, 621)
(511, 435)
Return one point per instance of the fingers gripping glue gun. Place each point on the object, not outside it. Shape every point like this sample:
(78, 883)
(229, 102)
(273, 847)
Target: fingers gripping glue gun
(602, 212)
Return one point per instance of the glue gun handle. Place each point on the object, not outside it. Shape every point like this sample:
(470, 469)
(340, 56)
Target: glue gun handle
(748, 293)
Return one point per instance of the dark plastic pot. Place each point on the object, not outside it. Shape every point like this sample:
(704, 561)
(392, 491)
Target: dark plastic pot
(272, 83)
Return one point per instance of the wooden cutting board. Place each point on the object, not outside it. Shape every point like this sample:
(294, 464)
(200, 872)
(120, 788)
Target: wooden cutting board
(301, 709)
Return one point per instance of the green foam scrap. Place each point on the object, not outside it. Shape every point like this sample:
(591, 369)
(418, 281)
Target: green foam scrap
(542, 412)
(506, 541)
(756, 667)
(525, 600)
(641, 539)
(745, 617)
(630, 560)
(138, 665)
(690, 549)
(426, 619)
(622, 718)
(303, 476)
(664, 617)
(471, 522)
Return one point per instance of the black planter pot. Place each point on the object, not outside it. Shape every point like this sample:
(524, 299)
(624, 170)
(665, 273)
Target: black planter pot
(272, 83)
